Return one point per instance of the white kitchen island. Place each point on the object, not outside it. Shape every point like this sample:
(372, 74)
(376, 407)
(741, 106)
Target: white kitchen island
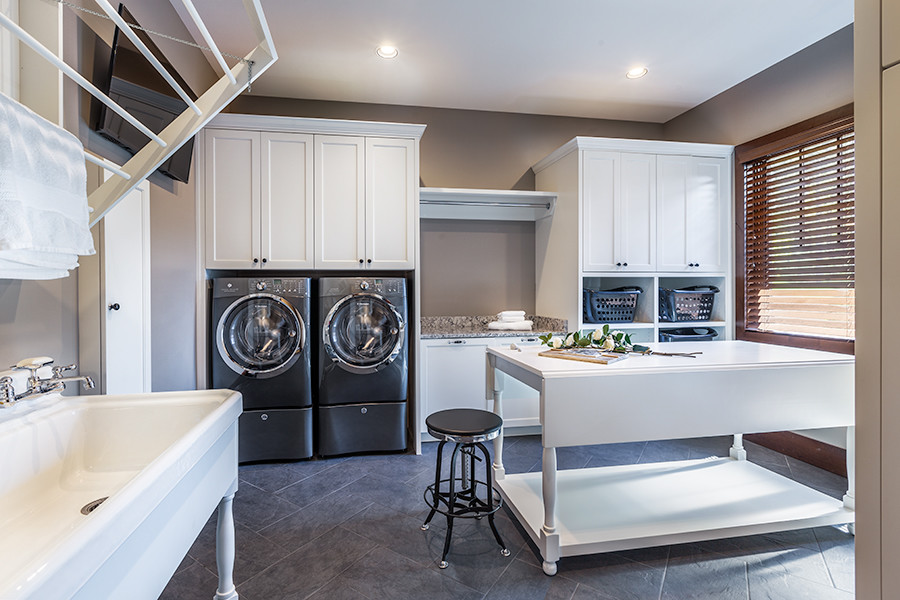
(733, 387)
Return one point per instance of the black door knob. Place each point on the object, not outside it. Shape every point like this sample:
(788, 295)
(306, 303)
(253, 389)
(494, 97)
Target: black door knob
(255, 260)
(360, 261)
(114, 306)
(265, 260)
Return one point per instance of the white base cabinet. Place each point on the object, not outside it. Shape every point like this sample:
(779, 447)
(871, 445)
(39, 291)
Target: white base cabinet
(453, 376)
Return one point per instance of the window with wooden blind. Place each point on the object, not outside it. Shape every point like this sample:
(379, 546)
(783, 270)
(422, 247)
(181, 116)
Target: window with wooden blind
(795, 255)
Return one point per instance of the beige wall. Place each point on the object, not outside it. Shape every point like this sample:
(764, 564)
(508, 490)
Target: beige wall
(809, 83)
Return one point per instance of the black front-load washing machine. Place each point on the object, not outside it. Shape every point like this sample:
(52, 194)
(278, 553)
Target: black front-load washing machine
(260, 348)
(362, 365)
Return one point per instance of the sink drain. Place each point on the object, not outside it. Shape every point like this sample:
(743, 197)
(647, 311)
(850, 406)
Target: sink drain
(90, 506)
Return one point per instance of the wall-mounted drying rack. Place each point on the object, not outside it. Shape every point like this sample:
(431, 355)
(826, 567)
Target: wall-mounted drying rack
(234, 80)
(495, 205)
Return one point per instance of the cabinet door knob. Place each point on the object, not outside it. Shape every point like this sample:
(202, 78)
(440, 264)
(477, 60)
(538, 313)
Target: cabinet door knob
(360, 261)
(618, 264)
(265, 260)
(696, 264)
(624, 264)
(114, 306)
(690, 264)
(457, 341)
(255, 260)
(369, 261)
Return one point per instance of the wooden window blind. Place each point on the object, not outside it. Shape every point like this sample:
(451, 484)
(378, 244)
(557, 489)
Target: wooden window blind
(798, 237)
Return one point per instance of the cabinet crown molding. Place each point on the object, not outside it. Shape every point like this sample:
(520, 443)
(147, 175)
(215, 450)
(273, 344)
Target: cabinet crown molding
(322, 126)
(630, 145)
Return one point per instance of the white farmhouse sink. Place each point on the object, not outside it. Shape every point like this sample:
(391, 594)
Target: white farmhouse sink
(165, 461)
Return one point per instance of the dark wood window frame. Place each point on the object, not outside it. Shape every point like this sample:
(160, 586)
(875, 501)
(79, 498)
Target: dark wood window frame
(795, 135)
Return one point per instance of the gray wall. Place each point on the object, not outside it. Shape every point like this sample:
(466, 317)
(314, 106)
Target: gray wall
(809, 83)
(476, 267)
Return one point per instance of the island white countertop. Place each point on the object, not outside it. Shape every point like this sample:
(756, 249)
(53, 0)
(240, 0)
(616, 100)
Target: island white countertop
(730, 355)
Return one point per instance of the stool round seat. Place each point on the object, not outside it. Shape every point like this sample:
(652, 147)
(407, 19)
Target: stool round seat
(464, 425)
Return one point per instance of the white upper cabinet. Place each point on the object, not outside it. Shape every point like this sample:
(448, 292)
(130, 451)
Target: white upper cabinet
(619, 218)
(365, 202)
(391, 198)
(692, 212)
(231, 166)
(286, 206)
(292, 193)
(258, 200)
(340, 202)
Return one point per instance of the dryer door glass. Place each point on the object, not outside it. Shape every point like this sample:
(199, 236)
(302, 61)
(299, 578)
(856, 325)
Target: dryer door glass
(260, 334)
(364, 332)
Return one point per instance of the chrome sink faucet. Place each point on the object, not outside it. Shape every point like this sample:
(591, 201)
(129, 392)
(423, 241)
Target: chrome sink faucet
(37, 386)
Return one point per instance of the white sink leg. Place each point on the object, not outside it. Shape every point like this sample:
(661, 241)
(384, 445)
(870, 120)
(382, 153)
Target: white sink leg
(225, 550)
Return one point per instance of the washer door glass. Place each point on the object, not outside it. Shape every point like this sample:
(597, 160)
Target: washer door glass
(260, 335)
(363, 332)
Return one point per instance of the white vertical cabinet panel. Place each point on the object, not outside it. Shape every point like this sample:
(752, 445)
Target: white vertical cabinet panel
(232, 179)
(706, 213)
(453, 375)
(390, 203)
(287, 207)
(636, 214)
(672, 212)
(600, 188)
(340, 202)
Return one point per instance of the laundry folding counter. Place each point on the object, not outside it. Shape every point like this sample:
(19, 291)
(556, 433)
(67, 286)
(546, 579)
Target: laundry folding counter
(733, 387)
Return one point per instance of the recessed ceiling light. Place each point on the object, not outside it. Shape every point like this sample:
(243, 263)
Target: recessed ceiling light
(636, 73)
(387, 51)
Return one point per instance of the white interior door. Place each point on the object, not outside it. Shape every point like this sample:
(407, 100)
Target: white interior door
(125, 272)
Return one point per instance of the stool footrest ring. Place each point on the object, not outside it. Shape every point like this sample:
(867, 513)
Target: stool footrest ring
(467, 505)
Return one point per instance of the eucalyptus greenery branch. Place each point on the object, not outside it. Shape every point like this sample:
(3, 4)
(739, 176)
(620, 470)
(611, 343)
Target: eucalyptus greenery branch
(604, 339)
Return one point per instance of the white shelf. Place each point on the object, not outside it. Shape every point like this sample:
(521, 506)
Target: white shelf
(635, 506)
(494, 205)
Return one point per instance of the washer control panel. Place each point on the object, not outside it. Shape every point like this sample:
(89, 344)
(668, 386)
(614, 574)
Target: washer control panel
(279, 286)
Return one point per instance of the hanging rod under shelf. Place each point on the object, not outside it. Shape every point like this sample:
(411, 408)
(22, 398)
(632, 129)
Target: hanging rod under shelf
(479, 204)
(545, 205)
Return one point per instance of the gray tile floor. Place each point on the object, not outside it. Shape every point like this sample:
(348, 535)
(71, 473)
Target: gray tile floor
(348, 529)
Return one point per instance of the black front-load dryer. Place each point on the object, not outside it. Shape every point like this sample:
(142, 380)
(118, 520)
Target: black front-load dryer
(260, 347)
(362, 402)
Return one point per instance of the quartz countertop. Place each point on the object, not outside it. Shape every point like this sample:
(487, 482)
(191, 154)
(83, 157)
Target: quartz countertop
(458, 327)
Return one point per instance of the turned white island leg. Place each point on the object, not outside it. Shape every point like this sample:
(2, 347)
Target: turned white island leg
(850, 496)
(549, 535)
(225, 550)
(737, 450)
(499, 470)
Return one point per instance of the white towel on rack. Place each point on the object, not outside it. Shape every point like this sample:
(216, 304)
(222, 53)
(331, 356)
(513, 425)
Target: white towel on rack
(514, 326)
(43, 198)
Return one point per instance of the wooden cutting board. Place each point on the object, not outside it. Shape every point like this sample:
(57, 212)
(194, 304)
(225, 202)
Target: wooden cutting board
(591, 355)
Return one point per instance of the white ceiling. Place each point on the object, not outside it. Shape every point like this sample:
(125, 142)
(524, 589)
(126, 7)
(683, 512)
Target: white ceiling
(559, 57)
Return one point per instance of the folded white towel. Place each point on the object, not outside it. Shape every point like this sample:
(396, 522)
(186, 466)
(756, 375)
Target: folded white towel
(517, 326)
(43, 199)
(515, 319)
(511, 313)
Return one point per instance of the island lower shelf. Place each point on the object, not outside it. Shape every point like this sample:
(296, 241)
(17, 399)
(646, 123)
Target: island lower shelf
(607, 509)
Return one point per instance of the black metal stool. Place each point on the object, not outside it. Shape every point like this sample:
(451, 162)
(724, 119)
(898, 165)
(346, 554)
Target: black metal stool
(467, 428)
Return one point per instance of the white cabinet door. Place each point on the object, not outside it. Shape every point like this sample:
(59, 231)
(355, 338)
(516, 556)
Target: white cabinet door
(391, 186)
(232, 191)
(453, 375)
(672, 213)
(692, 209)
(636, 213)
(340, 214)
(600, 188)
(707, 212)
(619, 211)
(287, 201)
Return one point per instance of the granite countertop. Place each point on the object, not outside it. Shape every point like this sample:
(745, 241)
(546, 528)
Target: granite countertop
(458, 327)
